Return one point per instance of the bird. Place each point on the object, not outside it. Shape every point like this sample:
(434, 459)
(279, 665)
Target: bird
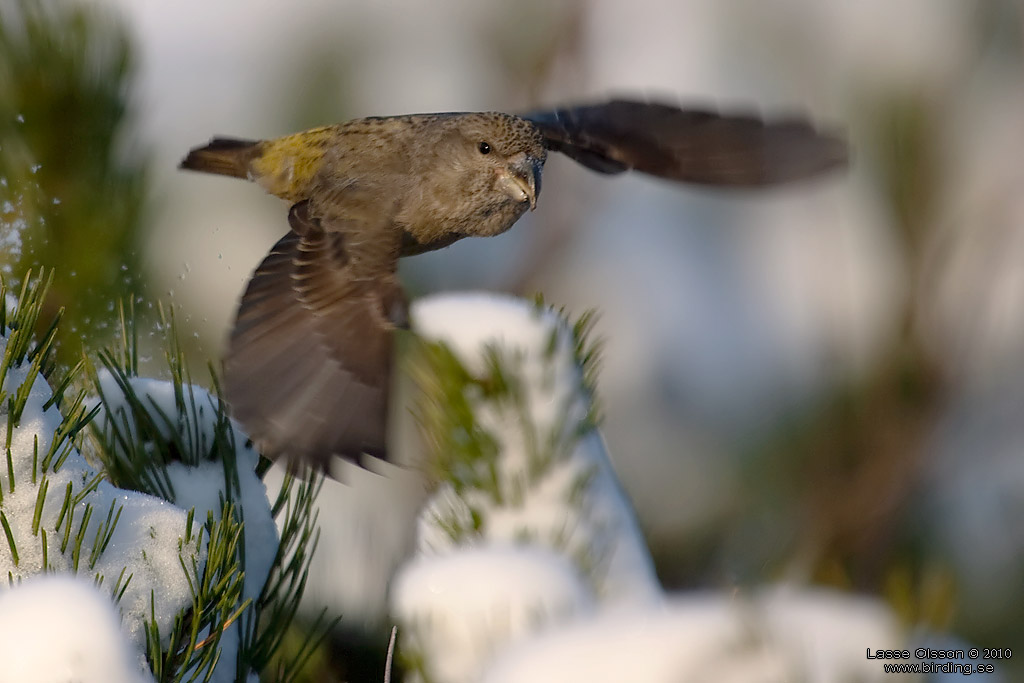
(308, 366)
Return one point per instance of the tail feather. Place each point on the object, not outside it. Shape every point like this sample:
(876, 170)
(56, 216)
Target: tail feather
(223, 156)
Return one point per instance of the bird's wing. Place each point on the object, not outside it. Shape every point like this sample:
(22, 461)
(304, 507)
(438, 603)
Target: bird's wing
(689, 145)
(308, 368)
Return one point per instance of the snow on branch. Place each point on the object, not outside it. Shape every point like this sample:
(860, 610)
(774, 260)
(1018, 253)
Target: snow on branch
(527, 525)
(58, 512)
(162, 508)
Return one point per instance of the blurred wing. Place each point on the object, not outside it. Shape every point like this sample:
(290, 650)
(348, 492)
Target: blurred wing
(689, 145)
(308, 369)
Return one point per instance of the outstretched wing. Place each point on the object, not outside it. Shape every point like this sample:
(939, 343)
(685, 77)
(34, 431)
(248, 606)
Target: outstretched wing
(689, 145)
(309, 364)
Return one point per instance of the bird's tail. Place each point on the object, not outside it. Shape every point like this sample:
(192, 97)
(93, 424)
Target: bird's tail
(223, 156)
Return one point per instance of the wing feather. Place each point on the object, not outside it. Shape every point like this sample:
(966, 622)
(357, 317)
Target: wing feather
(309, 363)
(690, 145)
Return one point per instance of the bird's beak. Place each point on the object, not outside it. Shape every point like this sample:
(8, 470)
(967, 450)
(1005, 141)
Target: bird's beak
(521, 180)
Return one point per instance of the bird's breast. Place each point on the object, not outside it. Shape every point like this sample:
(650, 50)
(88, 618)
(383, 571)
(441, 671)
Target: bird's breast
(431, 223)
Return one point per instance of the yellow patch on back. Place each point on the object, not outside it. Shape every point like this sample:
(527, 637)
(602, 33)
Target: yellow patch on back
(288, 165)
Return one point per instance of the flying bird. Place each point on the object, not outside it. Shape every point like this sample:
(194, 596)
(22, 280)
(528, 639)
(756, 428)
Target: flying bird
(307, 371)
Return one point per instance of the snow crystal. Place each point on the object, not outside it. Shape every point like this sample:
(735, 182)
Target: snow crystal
(11, 231)
(58, 628)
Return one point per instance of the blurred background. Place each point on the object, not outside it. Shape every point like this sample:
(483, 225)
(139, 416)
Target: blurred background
(823, 383)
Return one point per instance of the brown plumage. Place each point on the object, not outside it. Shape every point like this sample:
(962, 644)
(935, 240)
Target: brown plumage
(308, 368)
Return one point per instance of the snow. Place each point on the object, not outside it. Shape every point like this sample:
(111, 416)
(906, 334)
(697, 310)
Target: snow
(202, 486)
(60, 628)
(466, 321)
(575, 504)
(146, 552)
(147, 543)
(457, 609)
(11, 230)
(826, 632)
(559, 539)
(777, 636)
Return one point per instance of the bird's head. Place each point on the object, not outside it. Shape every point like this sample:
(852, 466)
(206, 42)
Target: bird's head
(497, 160)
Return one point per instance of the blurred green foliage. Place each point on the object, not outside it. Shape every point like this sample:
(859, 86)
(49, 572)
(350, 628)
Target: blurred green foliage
(71, 183)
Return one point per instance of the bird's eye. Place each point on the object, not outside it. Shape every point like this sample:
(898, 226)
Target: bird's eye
(484, 148)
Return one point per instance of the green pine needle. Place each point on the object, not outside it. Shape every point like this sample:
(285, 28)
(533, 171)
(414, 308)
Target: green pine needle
(10, 538)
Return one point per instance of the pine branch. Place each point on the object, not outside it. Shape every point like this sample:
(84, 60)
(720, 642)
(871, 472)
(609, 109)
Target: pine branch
(527, 516)
(151, 435)
(57, 512)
